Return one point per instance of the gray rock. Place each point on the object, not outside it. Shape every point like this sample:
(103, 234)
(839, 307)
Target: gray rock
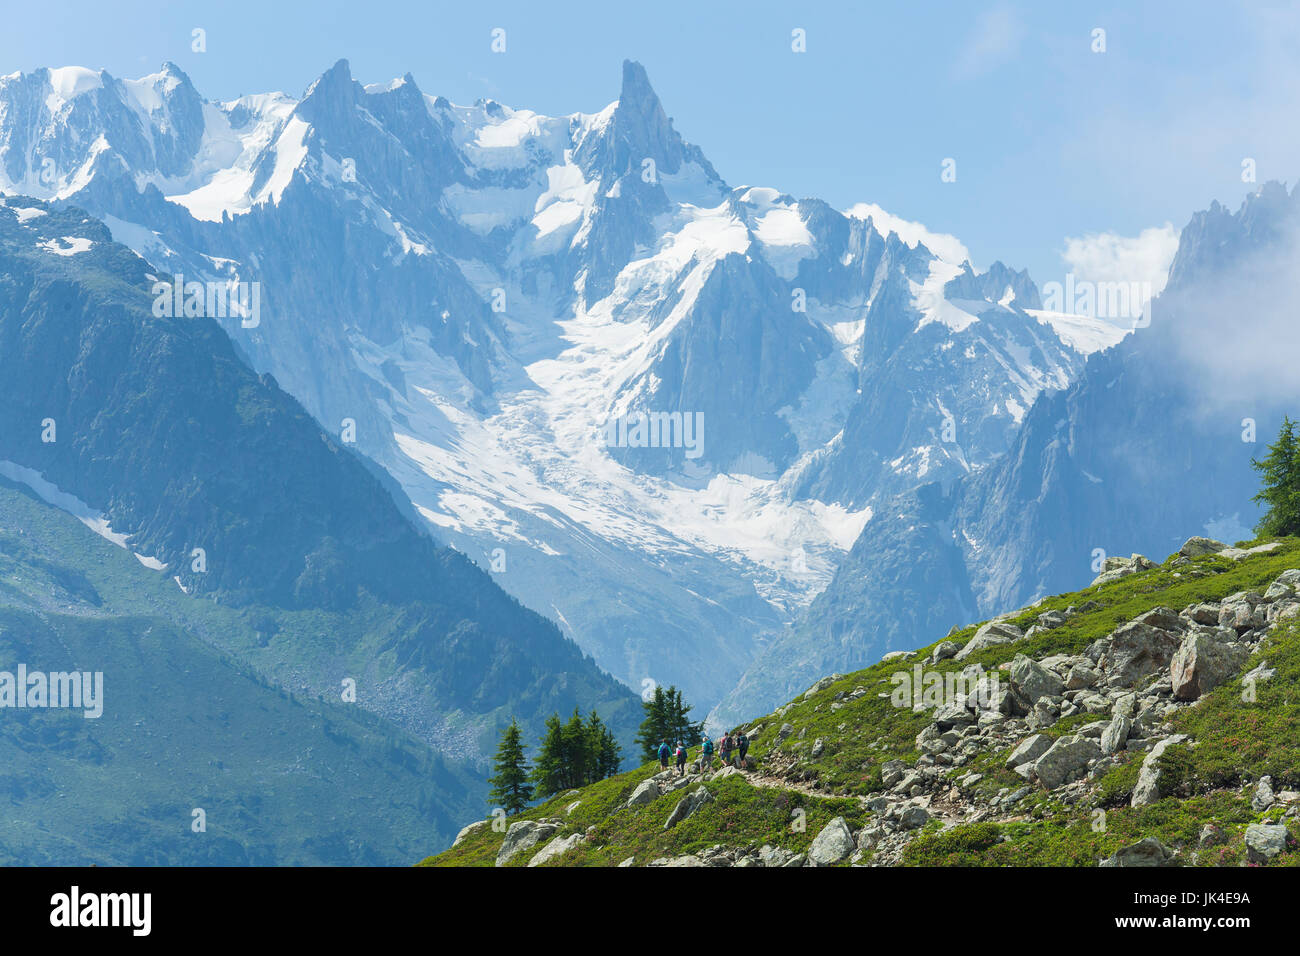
(821, 685)
(646, 791)
(1116, 732)
(1147, 852)
(945, 650)
(785, 731)
(556, 847)
(1137, 651)
(1207, 615)
(1196, 546)
(688, 805)
(953, 715)
(1066, 760)
(1031, 680)
(1264, 841)
(1148, 783)
(1263, 797)
(833, 844)
(1081, 675)
(1203, 663)
(1029, 750)
(818, 748)
(1211, 835)
(891, 772)
(990, 635)
(630, 861)
(467, 830)
(913, 818)
(524, 835)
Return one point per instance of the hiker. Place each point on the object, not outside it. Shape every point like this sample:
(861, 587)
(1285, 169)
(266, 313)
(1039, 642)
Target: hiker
(681, 759)
(724, 749)
(664, 753)
(706, 754)
(742, 743)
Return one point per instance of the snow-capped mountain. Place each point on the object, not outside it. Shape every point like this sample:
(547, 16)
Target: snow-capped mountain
(659, 408)
(1152, 441)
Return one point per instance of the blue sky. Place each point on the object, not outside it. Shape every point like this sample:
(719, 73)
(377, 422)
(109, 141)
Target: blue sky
(1052, 140)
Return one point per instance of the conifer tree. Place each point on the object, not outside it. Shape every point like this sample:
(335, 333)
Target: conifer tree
(1280, 474)
(510, 787)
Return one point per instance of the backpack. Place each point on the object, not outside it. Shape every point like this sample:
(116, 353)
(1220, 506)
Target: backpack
(708, 746)
(742, 741)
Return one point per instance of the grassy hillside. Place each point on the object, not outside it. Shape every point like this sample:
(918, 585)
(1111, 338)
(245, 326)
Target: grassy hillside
(828, 754)
(282, 779)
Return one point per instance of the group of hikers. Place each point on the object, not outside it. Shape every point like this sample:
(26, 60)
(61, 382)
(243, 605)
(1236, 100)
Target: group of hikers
(731, 749)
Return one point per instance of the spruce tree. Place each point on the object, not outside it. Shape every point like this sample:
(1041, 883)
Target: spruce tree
(549, 770)
(654, 728)
(510, 788)
(1280, 474)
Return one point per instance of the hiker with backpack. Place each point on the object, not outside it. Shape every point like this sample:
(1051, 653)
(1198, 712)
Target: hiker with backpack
(706, 754)
(742, 744)
(664, 753)
(724, 749)
(681, 759)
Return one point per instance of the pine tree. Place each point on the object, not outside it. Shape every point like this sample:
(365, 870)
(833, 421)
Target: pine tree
(549, 770)
(654, 728)
(510, 788)
(667, 720)
(606, 753)
(1280, 474)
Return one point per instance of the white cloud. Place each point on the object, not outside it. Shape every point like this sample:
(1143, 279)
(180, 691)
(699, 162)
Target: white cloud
(1110, 257)
(946, 247)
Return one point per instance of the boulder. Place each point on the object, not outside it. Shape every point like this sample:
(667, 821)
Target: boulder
(1196, 546)
(833, 844)
(1207, 615)
(1162, 617)
(1137, 651)
(1067, 759)
(953, 715)
(1029, 750)
(1203, 663)
(1031, 680)
(1116, 732)
(555, 848)
(913, 818)
(1081, 675)
(945, 650)
(688, 805)
(1148, 783)
(466, 831)
(646, 791)
(990, 635)
(820, 686)
(1263, 797)
(1264, 841)
(1147, 852)
(524, 835)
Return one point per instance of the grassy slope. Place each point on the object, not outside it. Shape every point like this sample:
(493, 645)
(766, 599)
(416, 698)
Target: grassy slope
(282, 779)
(1237, 742)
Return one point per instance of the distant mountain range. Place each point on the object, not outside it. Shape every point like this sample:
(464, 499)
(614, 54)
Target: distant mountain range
(478, 292)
